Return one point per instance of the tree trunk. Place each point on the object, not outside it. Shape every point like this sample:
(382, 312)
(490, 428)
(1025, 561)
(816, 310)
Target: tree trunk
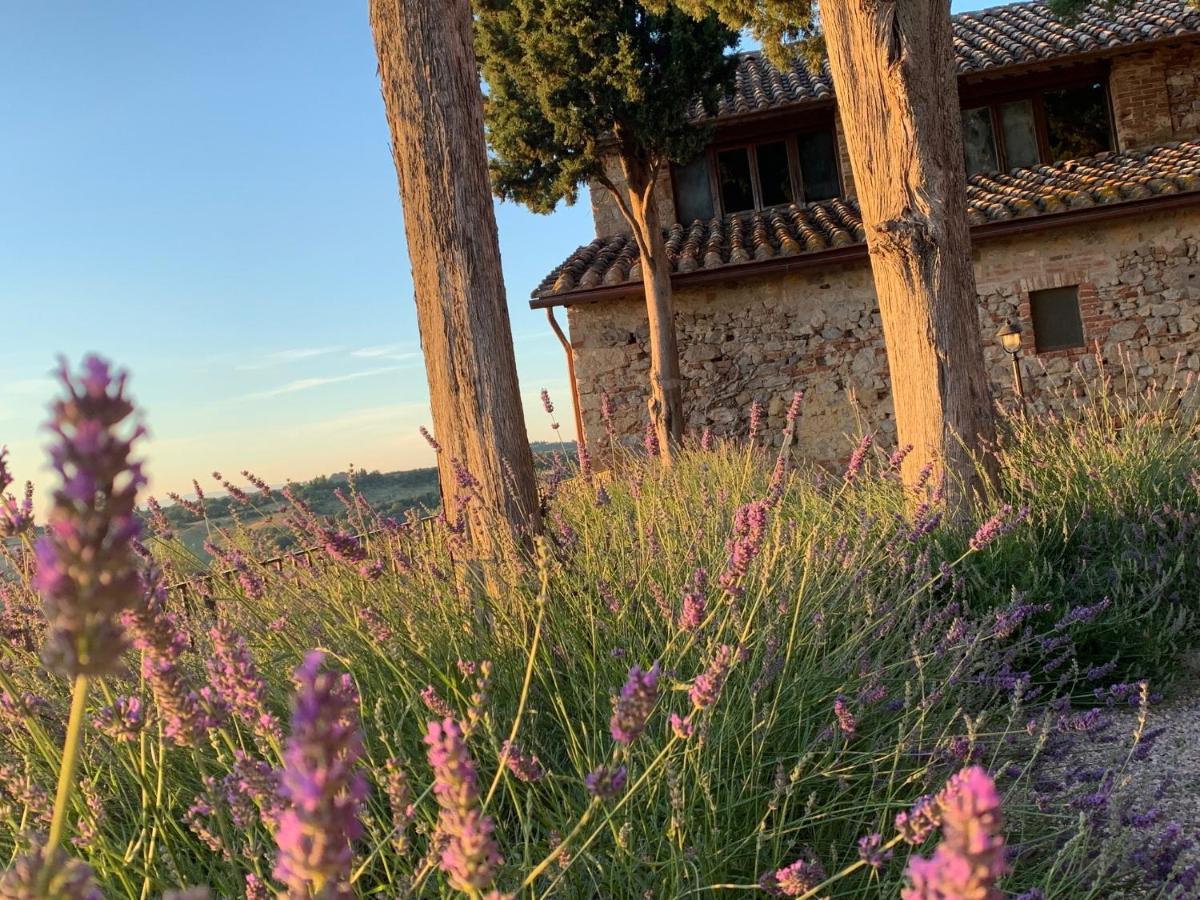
(666, 385)
(434, 108)
(893, 72)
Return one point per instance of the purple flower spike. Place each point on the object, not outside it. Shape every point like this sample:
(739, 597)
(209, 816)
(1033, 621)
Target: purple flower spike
(157, 634)
(546, 404)
(997, 526)
(236, 684)
(321, 785)
(86, 568)
(971, 857)
(429, 439)
(870, 851)
(470, 856)
(42, 873)
(15, 517)
(632, 707)
(799, 878)
(525, 766)
(846, 721)
(607, 783)
(858, 458)
(123, 721)
(707, 687)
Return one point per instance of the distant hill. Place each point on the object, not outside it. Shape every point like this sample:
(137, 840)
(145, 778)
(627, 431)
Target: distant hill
(389, 493)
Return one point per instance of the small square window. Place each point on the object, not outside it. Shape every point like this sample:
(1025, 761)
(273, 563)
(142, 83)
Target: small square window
(1057, 323)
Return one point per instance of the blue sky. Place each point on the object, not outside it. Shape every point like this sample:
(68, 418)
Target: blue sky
(204, 193)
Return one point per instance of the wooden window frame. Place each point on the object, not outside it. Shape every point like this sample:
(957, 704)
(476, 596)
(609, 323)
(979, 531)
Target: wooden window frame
(1034, 90)
(795, 175)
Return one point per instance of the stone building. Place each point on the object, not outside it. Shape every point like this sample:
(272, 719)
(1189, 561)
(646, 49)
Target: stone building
(1082, 149)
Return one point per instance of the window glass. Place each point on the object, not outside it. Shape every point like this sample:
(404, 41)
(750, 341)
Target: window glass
(733, 171)
(979, 145)
(1057, 323)
(818, 165)
(1020, 134)
(693, 192)
(774, 173)
(1077, 121)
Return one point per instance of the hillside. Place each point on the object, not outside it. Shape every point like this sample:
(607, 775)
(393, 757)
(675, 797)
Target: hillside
(391, 494)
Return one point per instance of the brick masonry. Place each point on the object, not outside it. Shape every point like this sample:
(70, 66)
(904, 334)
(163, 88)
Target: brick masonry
(1156, 95)
(819, 331)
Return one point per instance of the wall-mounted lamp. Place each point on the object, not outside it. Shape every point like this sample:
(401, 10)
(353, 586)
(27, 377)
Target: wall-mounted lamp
(1010, 339)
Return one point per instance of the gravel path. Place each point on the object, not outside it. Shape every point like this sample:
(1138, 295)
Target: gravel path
(1170, 778)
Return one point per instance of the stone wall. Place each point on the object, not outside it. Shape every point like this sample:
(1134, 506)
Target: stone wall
(1156, 95)
(819, 331)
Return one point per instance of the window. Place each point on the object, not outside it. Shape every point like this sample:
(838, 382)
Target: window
(693, 194)
(794, 168)
(733, 174)
(1057, 324)
(1077, 121)
(1042, 126)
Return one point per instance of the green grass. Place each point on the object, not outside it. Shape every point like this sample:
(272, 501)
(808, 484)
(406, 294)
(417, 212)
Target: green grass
(838, 602)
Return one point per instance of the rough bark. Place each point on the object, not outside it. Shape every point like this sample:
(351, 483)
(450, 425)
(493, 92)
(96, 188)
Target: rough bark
(434, 107)
(893, 71)
(640, 209)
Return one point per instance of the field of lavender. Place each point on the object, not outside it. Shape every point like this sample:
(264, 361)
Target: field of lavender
(732, 675)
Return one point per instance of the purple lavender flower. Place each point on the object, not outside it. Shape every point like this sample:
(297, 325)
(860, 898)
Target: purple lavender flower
(997, 526)
(256, 888)
(793, 410)
(970, 858)
(470, 856)
(682, 727)
(632, 707)
(15, 517)
(898, 456)
(546, 404)
(870, 851)
(236, 684)
(799, 878)
(605, 782)
(691, 614)
(706, 439)
(433, 700)
(858, 458)
(585, 461)
(86, 568)
(707, 687)
(437, 448)
(525, 766)
(650, 440)
(847, 724)
(261, 484)
(744, 545)
(123, 721)
(321, 785)
(43, 873)
(342, 546)
(158, 635)
(756, 417)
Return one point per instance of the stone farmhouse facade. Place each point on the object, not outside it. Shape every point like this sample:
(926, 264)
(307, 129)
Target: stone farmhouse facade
(1082, 148)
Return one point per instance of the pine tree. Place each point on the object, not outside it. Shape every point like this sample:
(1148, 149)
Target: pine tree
(573, 82)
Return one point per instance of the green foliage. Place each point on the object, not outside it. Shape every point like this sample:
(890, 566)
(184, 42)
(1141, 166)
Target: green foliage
(842, 598)
(568, 78)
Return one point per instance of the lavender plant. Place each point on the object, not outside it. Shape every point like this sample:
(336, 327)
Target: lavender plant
(857, 702)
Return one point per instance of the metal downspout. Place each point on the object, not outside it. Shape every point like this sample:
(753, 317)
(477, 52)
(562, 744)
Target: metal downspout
(570, 351)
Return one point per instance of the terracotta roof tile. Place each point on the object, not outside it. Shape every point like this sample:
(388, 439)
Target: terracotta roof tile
(985, 39)
(799, 229)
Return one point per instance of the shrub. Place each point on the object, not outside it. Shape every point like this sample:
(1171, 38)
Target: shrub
(725, 675)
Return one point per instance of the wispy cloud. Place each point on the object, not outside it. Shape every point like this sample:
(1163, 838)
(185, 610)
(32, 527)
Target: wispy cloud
(396, 414)
(387, 351)
(283, 357)
(308, 384)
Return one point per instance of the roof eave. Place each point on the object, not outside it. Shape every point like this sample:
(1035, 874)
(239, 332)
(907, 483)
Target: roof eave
(815, 259)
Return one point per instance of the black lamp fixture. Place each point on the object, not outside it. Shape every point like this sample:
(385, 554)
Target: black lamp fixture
(1009, 336)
